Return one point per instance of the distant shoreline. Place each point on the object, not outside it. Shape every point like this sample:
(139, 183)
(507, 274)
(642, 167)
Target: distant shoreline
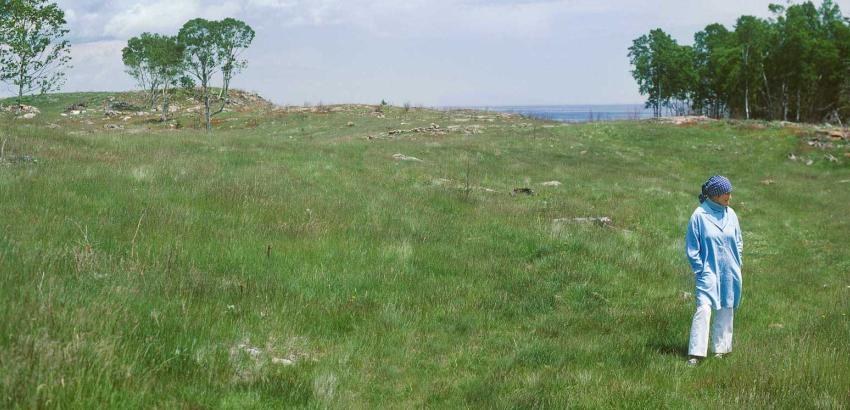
(571, 113)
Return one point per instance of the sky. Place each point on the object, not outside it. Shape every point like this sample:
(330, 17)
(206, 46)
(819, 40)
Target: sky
(422, 52)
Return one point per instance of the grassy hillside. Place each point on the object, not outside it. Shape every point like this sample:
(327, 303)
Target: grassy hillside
(288, 259)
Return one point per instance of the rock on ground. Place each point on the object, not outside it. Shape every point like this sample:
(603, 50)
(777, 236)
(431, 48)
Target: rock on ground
(402, 157)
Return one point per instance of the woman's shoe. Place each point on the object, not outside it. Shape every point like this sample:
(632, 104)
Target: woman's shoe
(693, 362)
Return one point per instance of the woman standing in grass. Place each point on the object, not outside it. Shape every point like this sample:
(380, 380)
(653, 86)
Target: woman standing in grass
(714, 245)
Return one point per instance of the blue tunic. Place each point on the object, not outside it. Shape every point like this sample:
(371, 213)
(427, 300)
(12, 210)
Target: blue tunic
(714, 246)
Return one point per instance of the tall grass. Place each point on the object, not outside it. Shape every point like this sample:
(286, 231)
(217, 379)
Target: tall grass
(290, 261)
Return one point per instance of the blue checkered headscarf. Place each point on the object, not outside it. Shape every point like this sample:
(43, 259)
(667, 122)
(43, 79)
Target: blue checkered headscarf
(716, 185)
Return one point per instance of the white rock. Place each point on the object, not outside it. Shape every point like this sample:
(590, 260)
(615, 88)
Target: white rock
(402, 157)
(283, 361)
(253, 351)
(558, 224)
(601, 220)
(551, 183)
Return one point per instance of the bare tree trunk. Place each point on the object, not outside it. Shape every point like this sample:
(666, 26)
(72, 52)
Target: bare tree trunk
(798, 104)
(207, 116)
(205, 79)
(225, 86)
(746, 55)
(784, 102)
(20, 85)
(222, 95)
(659, 97)
(152, 94)
(767, 95)
(164, 116)
(657, 111)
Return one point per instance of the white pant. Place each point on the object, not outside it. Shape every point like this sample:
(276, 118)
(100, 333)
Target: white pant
(721, 332)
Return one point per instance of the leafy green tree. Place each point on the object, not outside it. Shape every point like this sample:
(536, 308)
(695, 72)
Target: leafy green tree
(796, 76)
(236, 36)
(838, 30)
(663, 70)
(752, 38)
(202, 56)
(166, 59)
(211, 47)
(156, 62)
(34, 50)
(681, 80)
(832, 53)
(137, 61)
(792, 66)
(5, 14)
(711, 65)
(648, 71)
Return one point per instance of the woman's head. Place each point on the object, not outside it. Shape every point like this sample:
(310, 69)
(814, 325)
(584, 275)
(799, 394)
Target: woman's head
(718, 188)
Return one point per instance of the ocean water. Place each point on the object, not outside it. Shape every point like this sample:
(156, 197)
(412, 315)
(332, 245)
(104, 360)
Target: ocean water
(576, 113)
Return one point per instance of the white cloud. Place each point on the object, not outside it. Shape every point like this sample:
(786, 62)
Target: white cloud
(479, 52)
(279, 4)
(424, 18)
(97, 50)
(97, 66)
(164, 16)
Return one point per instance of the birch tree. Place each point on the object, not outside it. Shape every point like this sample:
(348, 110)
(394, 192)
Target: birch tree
(663, 71)
(793, 66)
(33, 49)
(711, 63)
(210, 48)
(202, 56)
(236, 36)
(751, 35)
(166, 59)
(137, 61)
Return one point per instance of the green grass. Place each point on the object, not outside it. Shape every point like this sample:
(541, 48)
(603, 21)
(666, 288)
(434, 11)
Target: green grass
(136, 262)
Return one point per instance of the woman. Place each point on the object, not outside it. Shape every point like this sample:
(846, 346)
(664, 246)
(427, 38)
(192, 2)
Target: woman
(714, 246)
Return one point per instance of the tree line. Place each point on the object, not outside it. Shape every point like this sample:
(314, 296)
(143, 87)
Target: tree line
(201, 49)
(792, 66)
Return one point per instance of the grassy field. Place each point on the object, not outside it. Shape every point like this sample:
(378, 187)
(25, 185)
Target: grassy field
(288, 260)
